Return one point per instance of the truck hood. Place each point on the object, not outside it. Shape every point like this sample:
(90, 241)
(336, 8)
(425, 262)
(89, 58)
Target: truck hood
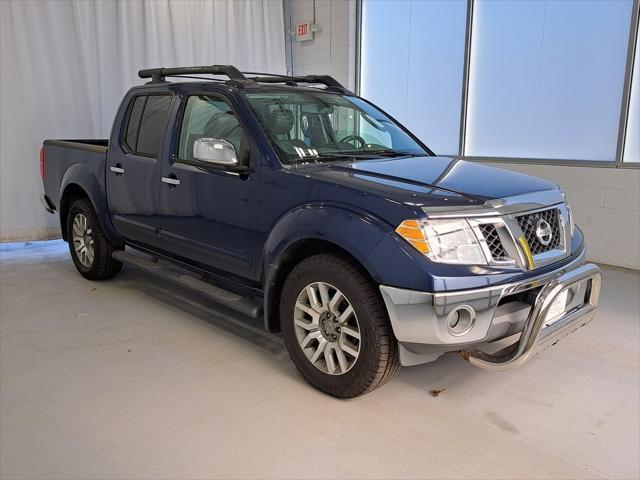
(431, 181)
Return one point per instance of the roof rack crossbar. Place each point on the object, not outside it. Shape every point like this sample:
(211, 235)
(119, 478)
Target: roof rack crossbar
(159, 74)
(326, 80)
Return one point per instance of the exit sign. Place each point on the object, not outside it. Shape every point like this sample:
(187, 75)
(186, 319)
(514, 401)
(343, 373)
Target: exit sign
(304, 32)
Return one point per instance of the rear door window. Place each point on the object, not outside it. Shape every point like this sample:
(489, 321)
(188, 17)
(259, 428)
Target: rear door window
(131, 137)
(147, 124)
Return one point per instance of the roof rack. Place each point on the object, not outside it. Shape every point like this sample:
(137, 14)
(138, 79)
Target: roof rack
(158, 75)
(238, 78)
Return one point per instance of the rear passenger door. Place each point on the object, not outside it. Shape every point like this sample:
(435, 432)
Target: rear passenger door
(133, 170)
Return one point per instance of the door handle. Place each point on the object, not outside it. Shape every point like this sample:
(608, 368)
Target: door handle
(117, 169)
(171, 180)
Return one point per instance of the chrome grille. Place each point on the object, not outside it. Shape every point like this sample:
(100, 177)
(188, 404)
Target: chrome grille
(490, 233)
(529, 223)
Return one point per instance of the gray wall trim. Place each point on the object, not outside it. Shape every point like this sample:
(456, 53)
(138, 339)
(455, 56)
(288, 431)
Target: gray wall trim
(358, 52)
(628, 77)
(288, 36)
(465, 78)
(552, 161)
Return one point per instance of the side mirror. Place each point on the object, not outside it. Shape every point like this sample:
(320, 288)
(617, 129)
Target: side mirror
(216, 151)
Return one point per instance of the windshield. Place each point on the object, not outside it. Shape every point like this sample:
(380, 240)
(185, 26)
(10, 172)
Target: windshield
(316, 126)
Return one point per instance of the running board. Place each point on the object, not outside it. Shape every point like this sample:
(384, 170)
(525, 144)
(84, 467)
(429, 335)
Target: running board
(245, 305)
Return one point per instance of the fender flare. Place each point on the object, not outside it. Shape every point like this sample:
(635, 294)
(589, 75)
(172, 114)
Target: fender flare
(356, 231)
(82, 176)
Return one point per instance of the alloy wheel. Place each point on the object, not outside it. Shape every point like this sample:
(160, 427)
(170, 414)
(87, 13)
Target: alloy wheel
(83, 240)
(327, 328)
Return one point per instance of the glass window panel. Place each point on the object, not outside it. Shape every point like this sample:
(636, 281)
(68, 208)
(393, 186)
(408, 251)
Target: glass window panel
(153, 124)
(208, 117)
(546, 78)
(385, 55)
(327, 124)
(412, 65)
(632, 141)
(133, 126)
(434, 81)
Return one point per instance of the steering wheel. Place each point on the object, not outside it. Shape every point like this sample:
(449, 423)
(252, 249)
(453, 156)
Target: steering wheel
(350, 138)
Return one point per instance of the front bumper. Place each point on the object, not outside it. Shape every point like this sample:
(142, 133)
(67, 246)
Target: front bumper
(420, 320)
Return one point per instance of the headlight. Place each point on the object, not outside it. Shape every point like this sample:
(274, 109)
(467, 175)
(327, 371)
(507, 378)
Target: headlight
(445, 241)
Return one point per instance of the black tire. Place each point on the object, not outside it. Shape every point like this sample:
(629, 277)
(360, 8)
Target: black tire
(103, 266)
(378, 359)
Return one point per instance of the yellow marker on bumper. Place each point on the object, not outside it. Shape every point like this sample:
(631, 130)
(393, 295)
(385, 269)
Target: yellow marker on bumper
(526, 250)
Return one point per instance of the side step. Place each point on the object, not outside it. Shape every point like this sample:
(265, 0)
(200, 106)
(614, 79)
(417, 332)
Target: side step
(245, 305)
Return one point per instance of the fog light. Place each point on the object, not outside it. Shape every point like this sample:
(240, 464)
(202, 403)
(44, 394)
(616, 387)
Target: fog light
(453, 319)
(460, 320)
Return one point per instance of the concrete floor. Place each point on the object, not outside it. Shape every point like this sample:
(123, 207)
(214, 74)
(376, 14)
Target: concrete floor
(130, 378)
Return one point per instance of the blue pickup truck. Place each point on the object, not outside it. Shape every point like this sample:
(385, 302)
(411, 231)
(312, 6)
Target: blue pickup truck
(295, 202)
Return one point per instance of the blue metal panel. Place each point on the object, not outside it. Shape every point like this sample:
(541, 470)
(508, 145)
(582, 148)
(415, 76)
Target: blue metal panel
(80, 174)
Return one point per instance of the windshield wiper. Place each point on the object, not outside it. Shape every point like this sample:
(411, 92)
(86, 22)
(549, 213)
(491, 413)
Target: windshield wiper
(333, 156)
(367, 154)
(326, 157)
(390, 153)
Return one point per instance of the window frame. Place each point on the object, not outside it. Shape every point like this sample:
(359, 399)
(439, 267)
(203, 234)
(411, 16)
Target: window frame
(126, 148)
(633, 51)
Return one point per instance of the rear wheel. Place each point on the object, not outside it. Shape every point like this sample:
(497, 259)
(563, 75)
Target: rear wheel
(90, 249)
(336, 327)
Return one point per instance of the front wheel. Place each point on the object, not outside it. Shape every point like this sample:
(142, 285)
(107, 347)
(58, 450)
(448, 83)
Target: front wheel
(90, 249)
(336, 327)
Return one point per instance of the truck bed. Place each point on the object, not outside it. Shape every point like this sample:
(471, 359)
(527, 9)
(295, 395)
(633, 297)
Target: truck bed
(61, 155)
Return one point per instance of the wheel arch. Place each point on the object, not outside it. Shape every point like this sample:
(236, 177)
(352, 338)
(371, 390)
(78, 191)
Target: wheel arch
(80, 182)
(292, 256)
(315, 229)
(71, 193)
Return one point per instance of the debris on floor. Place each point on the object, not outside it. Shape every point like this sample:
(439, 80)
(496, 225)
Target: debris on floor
(436, 392)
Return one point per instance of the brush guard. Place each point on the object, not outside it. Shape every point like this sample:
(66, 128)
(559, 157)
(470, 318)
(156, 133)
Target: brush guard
(538, 334)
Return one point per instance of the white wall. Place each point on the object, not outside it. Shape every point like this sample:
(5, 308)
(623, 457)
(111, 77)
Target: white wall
(65, 66)
(606, 201)
(332, 51)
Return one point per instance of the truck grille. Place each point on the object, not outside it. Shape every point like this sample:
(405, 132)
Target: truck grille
(529, 224)
(490, 233)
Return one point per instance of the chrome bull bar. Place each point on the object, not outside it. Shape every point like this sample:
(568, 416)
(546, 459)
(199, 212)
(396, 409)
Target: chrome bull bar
(536, 336)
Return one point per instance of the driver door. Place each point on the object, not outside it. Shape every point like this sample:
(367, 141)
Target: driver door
(208, 212)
